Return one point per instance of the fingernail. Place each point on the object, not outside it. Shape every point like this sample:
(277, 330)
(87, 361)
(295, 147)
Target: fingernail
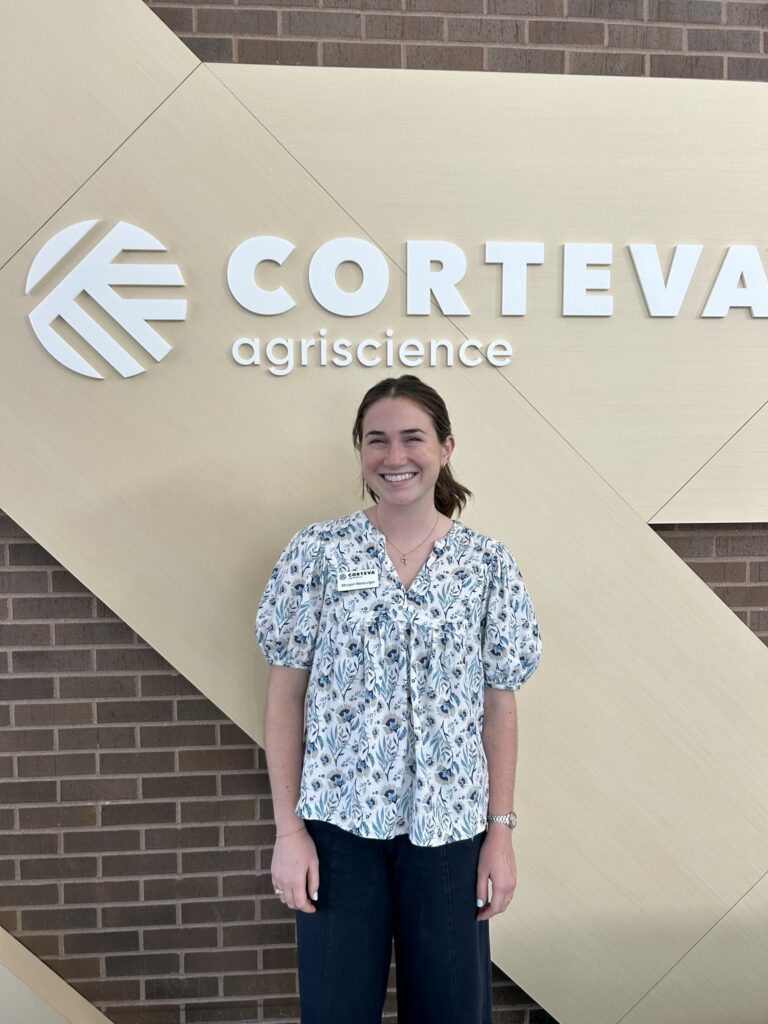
(314, 895)
(480, 903)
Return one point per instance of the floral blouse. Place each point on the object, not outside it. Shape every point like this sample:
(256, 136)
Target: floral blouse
(394, 713)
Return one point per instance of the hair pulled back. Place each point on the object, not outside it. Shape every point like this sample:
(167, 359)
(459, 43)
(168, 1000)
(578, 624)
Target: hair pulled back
(450, 495)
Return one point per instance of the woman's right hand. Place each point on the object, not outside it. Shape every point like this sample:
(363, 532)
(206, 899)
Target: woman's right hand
(296, 870)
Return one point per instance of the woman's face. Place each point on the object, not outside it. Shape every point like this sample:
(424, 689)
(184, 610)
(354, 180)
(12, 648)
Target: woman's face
(400, 453)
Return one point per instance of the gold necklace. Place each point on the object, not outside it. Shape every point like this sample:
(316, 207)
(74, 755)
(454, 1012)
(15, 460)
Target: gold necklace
(403, 554)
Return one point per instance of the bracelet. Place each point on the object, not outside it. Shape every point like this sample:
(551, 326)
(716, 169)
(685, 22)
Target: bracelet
(281, 835)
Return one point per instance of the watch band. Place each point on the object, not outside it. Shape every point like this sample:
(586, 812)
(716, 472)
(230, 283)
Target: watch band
(510, 820)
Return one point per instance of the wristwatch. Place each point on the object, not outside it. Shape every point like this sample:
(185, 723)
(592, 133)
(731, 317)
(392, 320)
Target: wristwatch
(510, 820)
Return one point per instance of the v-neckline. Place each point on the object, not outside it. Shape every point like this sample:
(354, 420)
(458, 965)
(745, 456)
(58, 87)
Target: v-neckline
(441, 541)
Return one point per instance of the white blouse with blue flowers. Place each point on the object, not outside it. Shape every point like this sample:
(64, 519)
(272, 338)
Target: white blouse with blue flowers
(394, 717)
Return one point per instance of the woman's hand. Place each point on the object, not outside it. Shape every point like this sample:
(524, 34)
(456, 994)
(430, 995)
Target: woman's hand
(497, 864)
(296, 870)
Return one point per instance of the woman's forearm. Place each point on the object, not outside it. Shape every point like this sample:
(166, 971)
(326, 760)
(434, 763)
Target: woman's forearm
(500, 745)
(284, 742)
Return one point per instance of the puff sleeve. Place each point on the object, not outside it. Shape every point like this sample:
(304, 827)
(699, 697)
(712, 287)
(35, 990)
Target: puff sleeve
(511, 641)
(288, 616)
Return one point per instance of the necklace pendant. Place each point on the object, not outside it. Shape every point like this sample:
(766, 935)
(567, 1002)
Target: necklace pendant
(402, 559)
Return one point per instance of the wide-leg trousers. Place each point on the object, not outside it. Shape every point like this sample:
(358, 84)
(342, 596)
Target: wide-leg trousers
(374, 890)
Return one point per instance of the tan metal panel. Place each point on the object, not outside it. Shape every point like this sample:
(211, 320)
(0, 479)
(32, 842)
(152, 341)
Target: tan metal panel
(170, 493)
(732, 486)
(476, 157)
(732, 953)
(77, 79)
(31, 993)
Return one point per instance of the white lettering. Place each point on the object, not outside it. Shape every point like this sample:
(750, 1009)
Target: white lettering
(579, 277)
(514, 258)
(247, 360)
(241, 275)
(411, 352)
(664, 298)
(464, 358)
(368, 343)
(742, 262)
(499, 353)
(322, 276)
(280, 366)
(437, 343)
(423, 281)
(342, 357)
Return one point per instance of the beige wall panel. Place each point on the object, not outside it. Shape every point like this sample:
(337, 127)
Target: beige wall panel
(170, 494)
(732, 487)
(478, 157)
(32, 993)
(77, 79)
(733, 952)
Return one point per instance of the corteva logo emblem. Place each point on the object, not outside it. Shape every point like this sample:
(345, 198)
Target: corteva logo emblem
(96, 275)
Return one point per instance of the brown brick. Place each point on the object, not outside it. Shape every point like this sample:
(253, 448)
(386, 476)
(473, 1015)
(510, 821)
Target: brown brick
(28, 895)
(100, 892)
(100, 687)
(52, 607)
(101, 632)
(227, 22)
(25, 845)
(102, 839)
(42, 946)
(58, 867)
(719, 39)
(142, 762)
(217, 861)
(284, 960)
(181, 988)
(178, 786)
(321, 24)
(270, 934)
(180, 938)
(142, 965)
(126, 989)
(98, 789)
(750, 14)
(216, 760)
(27, 792)
(239, 785)
(58, 816)
(181, 838)
(528, 8)
(486, 30)
(447, 58)
(55, 660)
(141, 864)
(6, 818)
(720, 571)
(179, 19)
(7, 870)
(261, 833)
(584, 62)
(59, 919)
(247, 885)
(217, 810)
(759, 620)
(128, 659)
(101, 942)
(200, 709)
(265, 859)
(743, 597)
(97, 738)
(645, 37)
(26, 739)
(368, 5)
(15, 634)
(172, 684)
(216, 50)
(222, 962)
(20, 582)
(134, 711)
(143, 915)
(5, 715)
(448, 6)
(282, 1008)
(614, 10)
(58, 713)
(689, 12)
(3, 608)
(566, 33)
(63, 582)
(6, 763)
(74, 968)
(56, 765)
(758, 572)
(197, 887)
(10, 530)
(177, 735)
(271, 909)
(219, 910)
(751, 545)
(4, 662)
(138, 814)
(411, 27)
(674, 66)
(256, 982)
(232, 735)
(26, 689)
(748, 69)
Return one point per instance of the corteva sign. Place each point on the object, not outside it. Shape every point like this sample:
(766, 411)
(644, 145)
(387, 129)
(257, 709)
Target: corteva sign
(434, 271)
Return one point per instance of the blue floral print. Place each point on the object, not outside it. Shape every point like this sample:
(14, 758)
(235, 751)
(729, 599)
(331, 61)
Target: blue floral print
(394, 715)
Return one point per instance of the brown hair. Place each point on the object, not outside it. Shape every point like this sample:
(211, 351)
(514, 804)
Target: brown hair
(450, 495)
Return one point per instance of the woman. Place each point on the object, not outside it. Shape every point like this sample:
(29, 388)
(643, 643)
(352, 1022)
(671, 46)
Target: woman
(408, 633)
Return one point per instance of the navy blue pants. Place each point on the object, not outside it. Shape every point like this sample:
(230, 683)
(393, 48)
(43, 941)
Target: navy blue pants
(374, 890)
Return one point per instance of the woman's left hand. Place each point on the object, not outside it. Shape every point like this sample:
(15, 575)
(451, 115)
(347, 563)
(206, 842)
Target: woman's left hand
(497, 864)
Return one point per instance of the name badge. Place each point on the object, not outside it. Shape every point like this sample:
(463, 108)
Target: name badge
(357, 579)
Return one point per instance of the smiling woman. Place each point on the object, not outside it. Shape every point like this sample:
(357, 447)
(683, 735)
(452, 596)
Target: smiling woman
(394, 805)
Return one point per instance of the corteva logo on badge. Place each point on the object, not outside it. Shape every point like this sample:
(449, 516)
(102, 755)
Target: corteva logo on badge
(96, 275)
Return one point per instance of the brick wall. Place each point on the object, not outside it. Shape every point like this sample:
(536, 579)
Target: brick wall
(135, 820)
(657, 38)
